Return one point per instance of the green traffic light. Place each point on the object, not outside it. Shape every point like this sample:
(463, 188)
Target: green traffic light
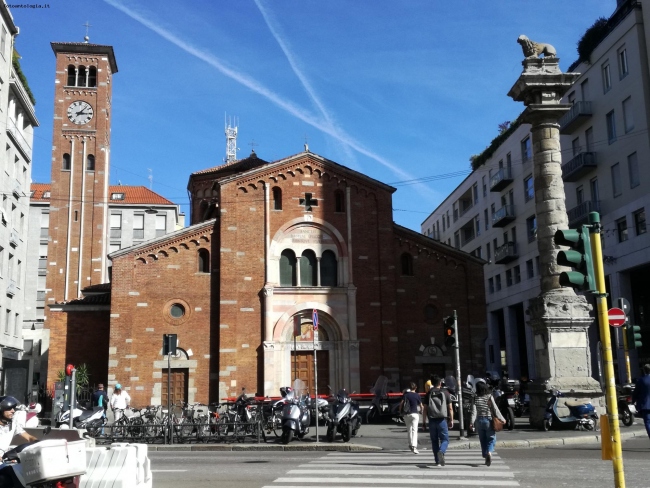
(578, 257)
(634, 336)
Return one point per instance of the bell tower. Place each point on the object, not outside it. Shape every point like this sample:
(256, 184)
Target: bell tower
(81, 149)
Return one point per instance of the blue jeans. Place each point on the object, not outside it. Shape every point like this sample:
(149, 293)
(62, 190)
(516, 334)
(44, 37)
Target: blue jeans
(645, 415)
(486, 434)
(439, 434)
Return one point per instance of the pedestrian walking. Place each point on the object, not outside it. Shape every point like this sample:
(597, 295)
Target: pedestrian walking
(411, 406)
(641, 396)
(100, 399)
(427, 387)
(120, 401)
(483, 410)
(439, 411)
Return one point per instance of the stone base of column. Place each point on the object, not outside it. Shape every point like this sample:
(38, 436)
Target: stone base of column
(560, 322)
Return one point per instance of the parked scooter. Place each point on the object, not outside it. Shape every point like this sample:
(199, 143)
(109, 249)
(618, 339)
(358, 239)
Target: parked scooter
(296, 417)
(504, 395)
(27, 415)
(382, 404)
(582, 414)
(626, 408)
(343, 417)
(12, 472)
(91, 420)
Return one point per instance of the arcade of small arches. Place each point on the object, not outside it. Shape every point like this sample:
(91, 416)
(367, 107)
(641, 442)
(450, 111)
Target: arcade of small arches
(66, 162)
(82, 76)
(308, 270)
(202, 255)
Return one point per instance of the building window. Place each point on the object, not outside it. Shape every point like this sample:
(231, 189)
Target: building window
(407, 264)
(339, 198)
(508, 277)
(430, 314)
(607, 78)
(288, 268)
(65, 165)
(3, 41)
(328, 269)
(497, 282)
(530, 269)
(90, 163)
(639, 222)
(484, 187)
(46, 194)
(575, 146)
(491, 285)
(92, 76)
(116, 225)
(616, 180)
(204, 261)
(308, 268)
(161, 225)
(622, 63)
(117, 196)
(475, 192)
(529, 190)
(633, 168)
(457, 240)
(138, 226)
(488, 252)
(526, 150)
(177, 310)
(580, 194)
(478, 253)
(595, 193)
(277, 198)
(516, 274)
(485, 219)
(611, 127)
(621, 229)
(589, 139)
(531, 228)
(628, 116)
(114, 246)
(72, 76)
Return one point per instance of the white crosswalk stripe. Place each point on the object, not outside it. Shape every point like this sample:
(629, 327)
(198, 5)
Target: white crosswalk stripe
(464, 468)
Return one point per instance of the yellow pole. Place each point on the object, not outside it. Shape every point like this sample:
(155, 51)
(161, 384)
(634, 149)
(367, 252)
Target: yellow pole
(628, 371)
(603, 321)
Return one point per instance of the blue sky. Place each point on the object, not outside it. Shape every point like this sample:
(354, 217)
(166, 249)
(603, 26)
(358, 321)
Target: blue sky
(398, 90)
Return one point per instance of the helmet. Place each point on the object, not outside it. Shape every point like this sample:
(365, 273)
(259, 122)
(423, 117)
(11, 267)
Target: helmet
(118, 387)
(7, 403)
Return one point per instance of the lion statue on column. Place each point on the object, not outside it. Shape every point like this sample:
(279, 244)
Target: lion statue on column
(534, 49)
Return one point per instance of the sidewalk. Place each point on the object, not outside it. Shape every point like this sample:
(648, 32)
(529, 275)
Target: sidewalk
(392, 436)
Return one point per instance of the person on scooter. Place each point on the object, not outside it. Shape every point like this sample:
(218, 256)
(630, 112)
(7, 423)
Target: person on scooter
(9, 429)
(483, 410)
(641, 396)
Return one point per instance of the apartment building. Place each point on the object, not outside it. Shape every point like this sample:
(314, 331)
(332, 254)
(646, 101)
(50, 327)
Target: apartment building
(606, 155)
(16, 137)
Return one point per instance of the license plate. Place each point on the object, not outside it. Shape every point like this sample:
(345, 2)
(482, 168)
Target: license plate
(511, 402)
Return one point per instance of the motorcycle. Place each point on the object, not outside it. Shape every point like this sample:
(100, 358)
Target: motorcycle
(383, 404)
(626, 409)
(27, 415)
(296, 417)
(505, 395)
(343, 417)
(91, 420)
(51, 463)
(582, 414)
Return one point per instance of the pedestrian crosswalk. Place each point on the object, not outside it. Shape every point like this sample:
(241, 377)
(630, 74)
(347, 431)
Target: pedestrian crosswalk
(463, 468)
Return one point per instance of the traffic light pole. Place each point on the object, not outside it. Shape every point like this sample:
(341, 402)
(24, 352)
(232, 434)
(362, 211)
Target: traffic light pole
(459, 387)
(603, 321)
(626, 349)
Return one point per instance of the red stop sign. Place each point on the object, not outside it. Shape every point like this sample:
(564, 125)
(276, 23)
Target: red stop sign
(616, 317)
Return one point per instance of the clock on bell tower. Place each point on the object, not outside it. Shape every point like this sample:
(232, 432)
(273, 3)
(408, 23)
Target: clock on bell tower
(81, 148)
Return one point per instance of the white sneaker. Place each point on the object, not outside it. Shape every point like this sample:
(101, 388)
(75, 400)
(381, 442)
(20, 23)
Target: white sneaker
(415, 450)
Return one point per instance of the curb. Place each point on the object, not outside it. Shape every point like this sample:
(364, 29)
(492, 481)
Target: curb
(267, 447)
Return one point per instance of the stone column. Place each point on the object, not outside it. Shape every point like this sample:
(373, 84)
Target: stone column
(559, 319)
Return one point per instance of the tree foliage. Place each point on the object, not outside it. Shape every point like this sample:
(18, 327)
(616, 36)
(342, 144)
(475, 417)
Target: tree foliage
(15, 59)
(591, 38)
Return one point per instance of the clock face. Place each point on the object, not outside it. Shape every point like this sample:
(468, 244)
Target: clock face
(80, 112)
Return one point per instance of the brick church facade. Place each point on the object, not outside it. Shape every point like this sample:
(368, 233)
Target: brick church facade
(268, 244)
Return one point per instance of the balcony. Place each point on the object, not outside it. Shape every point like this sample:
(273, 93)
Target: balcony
(14, 238)
(501, 179)
(579, 166)
(17, 189)
(574, 117)
(580, 214)
(18, 138)
(12, 289)
(506, 253)
(503, 216)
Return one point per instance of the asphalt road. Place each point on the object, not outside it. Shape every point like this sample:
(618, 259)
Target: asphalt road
(575, 466)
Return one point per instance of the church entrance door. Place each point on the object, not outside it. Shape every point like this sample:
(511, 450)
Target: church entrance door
(302, 368)
(178, 386)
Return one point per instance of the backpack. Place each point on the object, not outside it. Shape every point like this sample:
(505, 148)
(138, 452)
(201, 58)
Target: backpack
(406, 406)
(437, 408)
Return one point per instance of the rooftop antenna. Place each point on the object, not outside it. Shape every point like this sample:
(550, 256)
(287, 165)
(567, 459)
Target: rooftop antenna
(306, 143)
(86, 37)
(231, 138)
(150, 177)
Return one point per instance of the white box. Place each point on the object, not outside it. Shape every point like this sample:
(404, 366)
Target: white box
(53, 459)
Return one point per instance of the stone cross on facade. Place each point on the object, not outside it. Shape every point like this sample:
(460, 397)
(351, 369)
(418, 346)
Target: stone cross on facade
(559, 319)
(308, 202)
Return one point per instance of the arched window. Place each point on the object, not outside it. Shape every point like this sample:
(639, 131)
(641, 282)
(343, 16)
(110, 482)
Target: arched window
(90, 163)
(204, 261)
(92, 76)
(277, 198)
(72, 76)
(308, 268)
(407, 264)
(81, 79)
(430, 314)
(65, 165)
(288, 268)
(328, 269)
(339, 201)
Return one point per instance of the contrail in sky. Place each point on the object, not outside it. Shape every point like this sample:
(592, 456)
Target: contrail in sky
(258, 88)
(269, 18)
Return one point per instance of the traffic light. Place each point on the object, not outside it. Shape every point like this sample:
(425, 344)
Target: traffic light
(633, 336)
(170, 343)
(450, 331)
(578, 257)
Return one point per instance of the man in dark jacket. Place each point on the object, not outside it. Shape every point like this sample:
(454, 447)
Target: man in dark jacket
(641, 396)
(100, 399)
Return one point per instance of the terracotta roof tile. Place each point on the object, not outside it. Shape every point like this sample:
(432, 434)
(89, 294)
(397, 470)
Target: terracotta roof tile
(132, 194)
(250, 162)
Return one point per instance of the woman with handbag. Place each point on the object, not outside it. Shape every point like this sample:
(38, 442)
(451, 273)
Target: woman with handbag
(487, 419)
